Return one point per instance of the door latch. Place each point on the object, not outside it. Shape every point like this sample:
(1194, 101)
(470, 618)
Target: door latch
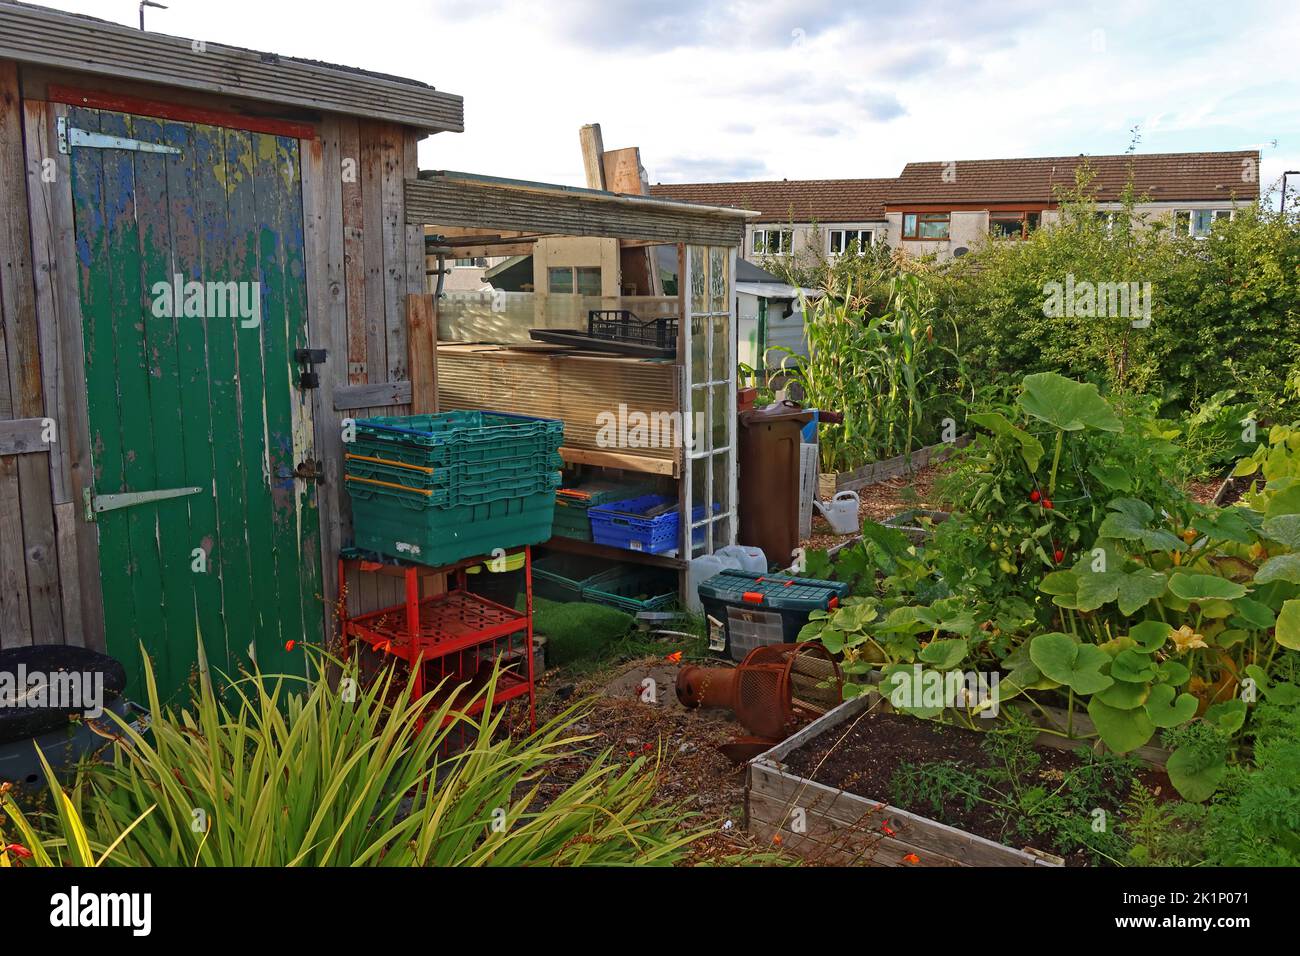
(308, 377)
(311, 470)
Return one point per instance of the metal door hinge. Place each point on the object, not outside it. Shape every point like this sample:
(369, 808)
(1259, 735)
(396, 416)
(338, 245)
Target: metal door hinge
(96, 504)
(70, 136)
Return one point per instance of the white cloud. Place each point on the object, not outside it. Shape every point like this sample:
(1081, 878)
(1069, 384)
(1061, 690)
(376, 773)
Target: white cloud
(713, 89)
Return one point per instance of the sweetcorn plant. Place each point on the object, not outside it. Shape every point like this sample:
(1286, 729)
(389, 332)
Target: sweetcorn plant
(291, 775)
(889, 375)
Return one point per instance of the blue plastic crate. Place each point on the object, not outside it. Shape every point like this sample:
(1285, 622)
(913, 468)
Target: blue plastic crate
(623, 524)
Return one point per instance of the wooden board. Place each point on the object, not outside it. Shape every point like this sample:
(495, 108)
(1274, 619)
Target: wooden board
(422, 346)
(828, 485)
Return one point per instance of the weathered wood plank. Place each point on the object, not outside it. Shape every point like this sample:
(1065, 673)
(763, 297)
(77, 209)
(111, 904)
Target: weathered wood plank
(327, 320)
(23, 357)
(372, 241)
(15, 615)
(354, 252)
(394, 242)
(421, 345)
(349, 398)
(22, 436)
(59, 307)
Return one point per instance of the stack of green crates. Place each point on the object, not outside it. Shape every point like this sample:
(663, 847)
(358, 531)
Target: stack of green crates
(572, 503)
(438, 488)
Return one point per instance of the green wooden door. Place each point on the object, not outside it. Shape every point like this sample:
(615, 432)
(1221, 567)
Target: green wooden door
(196, 390)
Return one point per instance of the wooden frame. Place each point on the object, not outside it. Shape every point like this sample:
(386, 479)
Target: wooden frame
(141, 106)
(918, 218)
(832, 826)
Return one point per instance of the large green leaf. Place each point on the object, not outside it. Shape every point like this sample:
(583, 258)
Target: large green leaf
(1229, 715)
(1195, 775)
(1131, 590)
(1068, 405)
(1227, 524)
(1281, 567)
(1204, 587)
(944, 654)
(1150, 635)
(1254, 613)
(1288, 625)
(1113, 477)
(1123, 695)
(1284, 529)
(1075, 665)
(1133, 666)
(1168, 708)
(1122, 730)
(1284, 502)
(1031, 449)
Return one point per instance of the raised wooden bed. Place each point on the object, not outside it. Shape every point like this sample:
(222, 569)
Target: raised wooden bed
(828, 485)
(834, 827)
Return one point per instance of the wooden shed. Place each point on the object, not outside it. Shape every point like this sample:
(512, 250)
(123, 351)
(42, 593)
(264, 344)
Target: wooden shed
(208, 260)
(177, 221)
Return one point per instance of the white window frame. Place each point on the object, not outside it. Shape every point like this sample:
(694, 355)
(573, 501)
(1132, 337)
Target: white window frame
(785, 242)
(700, 463)
(844, 241)
(1215, 214)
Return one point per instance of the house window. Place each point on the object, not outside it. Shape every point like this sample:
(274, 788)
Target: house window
(842, 240)
(1012, 225)
(568, 279)
(559, 280)
(588, 281)
(1197, 222)
(477, 263)
(925, 225)
(773, 242)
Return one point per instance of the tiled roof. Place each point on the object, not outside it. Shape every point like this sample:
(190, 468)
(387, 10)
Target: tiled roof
(806, 200)
(1162, 177)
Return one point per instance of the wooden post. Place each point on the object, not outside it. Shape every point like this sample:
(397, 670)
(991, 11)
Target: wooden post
(593, 151)
(422, 352)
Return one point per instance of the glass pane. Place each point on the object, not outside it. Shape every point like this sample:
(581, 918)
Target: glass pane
(837, 242)
(701, 487)
(909, 225)
(721, 340)
(721, 486)
(700, 420)
(718, 424)
(699, 279)
(718, 264)
(589, 281)
(1201, 220)
(934, 228)
(758, 241)
(559, 280)
(699, 349)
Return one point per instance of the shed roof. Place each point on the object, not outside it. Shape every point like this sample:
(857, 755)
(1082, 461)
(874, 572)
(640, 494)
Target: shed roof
(447, 198)
(32, 34)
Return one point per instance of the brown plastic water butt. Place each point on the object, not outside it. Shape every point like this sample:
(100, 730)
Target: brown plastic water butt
(768, 459)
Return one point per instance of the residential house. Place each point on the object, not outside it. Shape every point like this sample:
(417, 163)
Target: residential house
(945, 208)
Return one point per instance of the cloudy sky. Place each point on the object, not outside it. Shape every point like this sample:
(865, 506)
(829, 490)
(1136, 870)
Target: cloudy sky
(800, 89)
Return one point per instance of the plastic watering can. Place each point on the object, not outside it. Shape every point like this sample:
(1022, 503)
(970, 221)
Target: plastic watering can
(842, 512)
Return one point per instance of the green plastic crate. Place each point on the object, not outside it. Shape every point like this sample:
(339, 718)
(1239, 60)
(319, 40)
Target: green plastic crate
(633, 589)
(511, 469)
(572, 521)
(437, 536)
(456, 496)
(564, 577)
(456, 438)
(571, 503)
